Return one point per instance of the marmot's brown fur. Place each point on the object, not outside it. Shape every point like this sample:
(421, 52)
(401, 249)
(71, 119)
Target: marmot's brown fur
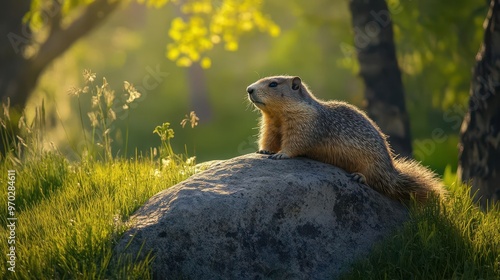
(296, 123)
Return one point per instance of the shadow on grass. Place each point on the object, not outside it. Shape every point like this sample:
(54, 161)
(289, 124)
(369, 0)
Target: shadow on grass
(451, 239)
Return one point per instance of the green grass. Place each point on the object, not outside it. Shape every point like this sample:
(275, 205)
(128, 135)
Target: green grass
(451, 239)
(71, 214)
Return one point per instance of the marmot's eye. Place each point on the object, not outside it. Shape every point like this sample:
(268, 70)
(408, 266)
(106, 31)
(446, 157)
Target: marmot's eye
(273, 84)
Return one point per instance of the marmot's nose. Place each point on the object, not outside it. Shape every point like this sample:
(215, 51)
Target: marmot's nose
(250, 90)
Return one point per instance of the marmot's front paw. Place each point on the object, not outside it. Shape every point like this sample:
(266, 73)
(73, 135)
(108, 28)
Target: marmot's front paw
(264, 152)
(358, 177)
(279, 156)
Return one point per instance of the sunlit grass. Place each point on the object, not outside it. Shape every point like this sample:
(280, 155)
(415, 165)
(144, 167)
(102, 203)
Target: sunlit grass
(71, 214)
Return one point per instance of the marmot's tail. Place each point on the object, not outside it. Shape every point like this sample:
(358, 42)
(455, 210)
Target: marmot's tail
(413, 179)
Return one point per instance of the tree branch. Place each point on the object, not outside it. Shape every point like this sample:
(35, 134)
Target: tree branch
(60, 39)
(56, 18)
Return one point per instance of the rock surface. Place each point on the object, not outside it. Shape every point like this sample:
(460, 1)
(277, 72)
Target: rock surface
(255, 218)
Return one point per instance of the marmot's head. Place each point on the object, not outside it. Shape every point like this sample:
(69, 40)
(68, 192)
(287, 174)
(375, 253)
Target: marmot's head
(279, 93)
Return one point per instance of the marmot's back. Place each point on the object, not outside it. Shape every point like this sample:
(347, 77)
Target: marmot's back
(348, 122)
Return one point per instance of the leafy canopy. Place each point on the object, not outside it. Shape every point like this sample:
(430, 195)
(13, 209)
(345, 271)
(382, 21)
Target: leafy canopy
(201, 25)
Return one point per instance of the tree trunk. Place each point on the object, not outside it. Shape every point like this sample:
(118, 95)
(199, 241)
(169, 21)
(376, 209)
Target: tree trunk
(384, 92)
(14, 69)
(479, 150)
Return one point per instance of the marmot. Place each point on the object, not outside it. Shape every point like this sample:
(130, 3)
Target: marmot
(296, 123)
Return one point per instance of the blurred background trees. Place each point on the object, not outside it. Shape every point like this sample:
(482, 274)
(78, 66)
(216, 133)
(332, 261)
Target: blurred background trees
(145, 43)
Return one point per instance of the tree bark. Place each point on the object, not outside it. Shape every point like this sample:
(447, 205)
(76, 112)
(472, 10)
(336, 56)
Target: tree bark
(13, 34)
(384, 92)
(479, 150)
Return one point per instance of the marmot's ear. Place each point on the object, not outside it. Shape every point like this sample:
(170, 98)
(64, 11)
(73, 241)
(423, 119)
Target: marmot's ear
(296, 82)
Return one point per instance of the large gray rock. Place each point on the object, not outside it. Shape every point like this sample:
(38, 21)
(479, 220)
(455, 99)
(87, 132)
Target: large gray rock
(256, 218)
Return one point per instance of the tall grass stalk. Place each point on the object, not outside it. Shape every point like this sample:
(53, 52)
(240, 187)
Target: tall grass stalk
(81, 122)
(8, 135)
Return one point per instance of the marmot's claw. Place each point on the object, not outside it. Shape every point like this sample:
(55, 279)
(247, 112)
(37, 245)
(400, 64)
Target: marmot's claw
(264, 152)
(358, 177)
(279, 156)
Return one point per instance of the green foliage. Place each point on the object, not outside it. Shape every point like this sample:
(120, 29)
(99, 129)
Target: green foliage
(210, 24)
(202, 25)
(437, 46)
(451, 239)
